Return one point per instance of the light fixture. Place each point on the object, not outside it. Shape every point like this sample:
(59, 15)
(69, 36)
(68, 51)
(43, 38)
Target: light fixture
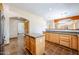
(50, 9)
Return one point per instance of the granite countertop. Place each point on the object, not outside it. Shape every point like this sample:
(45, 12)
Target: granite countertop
(35, 35)
(73, 32)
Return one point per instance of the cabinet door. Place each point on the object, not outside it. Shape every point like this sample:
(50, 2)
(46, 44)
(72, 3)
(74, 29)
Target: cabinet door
(27, 42)
(74, 42)
(47, 36)
(78, 43)
(54, 38)
(32, 45)
(65, 40)
(65, 37)
(64, 43)
(1, 7)
(40, 45)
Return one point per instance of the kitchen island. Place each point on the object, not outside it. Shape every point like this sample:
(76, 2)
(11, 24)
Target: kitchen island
(67, 38)
(35, 43)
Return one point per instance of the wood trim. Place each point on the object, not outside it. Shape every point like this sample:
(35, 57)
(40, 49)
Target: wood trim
(25, 21)
(26, 26)
(75, 17)
(1, 7)
(14, 38)
(19, 18)
(71, 17)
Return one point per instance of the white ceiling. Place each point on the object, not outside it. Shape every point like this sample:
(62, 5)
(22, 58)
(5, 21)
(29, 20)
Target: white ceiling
(49, 10)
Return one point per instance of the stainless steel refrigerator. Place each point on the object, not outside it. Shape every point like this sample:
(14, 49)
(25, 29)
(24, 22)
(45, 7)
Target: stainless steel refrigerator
(1, 33)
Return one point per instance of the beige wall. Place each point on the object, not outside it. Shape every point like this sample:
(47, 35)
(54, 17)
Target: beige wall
(6, 23)
(37, 23)
(13, 28)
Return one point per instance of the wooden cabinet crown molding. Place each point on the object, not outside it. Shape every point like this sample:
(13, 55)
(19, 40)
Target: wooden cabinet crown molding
(1, 7)
(71, 17)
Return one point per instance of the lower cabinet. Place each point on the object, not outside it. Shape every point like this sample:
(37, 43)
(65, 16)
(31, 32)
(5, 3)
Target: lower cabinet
(64, 43)
(47, 36)
(71, 41)
(35, 45)
(74, 42)
(26, 42)
(78, 43)
(32, 45)
(54, 37)
(65, 40)
(40, 45)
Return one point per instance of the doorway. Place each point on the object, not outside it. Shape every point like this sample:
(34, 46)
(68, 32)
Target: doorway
(20, 27)
(17, 28)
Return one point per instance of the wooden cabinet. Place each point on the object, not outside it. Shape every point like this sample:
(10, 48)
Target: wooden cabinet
(78, 43)
(35, 45)
(27, 42)
(64, 37)
(32, 45)
(40, 45)
(71, 41)
(51, 38)
(54, 37)
(47, 36)
(64, 43)
(1, 7)
(65, 40)
(74, 42)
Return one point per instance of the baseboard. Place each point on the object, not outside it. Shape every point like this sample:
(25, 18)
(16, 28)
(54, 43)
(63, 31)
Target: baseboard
(13, 37)
(6, 44)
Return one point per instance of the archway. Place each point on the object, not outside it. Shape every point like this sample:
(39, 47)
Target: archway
(18, 27)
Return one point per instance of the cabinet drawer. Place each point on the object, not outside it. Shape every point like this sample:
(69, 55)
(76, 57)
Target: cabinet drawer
(47, 36)
(67, 44)
(74, 42)
(78, 43)
(65, 37)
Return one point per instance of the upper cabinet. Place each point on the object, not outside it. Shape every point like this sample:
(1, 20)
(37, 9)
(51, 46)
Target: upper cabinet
(1, 7)
(64, 23)
(67, 24)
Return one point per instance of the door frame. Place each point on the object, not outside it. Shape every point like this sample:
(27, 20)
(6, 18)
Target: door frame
(26, 23)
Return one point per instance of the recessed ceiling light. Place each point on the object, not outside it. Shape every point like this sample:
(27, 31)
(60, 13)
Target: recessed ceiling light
(65, 12)
(50, 9)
